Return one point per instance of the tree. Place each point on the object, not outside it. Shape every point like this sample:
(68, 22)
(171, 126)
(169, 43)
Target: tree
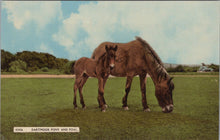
(37, 60)
(34, 60)
(6, 59)
(214, 67)
(179, 68)
(61, 62)
(18, 66)
(69, 67)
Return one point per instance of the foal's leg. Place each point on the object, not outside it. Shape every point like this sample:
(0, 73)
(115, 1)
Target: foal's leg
(101, 94)
(83, 81)
(127, 90)
(104, 82)
(143, 91)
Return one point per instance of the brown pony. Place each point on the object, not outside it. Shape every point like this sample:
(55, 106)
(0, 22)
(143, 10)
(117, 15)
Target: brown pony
(138, 58)
(100, 68)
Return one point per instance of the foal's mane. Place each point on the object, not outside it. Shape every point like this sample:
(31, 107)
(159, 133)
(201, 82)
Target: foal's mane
(160, 69)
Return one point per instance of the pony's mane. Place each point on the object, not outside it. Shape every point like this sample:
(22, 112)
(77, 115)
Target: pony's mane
(162, 73)
(148, 47)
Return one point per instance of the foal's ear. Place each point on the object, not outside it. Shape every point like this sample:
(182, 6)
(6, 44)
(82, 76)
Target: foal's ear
(116, 47)
(106, 47)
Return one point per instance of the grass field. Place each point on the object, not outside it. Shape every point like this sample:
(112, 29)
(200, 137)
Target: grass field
(48, 102)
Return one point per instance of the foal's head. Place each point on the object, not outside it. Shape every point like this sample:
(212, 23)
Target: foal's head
(110, 52)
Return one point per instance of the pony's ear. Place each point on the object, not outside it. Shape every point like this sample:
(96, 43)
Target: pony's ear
(106, 47)
(168, 82)
(171, 85)
(116, 47)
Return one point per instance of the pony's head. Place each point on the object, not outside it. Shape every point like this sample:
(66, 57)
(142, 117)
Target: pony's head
(164, 95)
(110, 51)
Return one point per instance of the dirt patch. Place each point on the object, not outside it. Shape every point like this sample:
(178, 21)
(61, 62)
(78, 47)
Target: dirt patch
(38, 76)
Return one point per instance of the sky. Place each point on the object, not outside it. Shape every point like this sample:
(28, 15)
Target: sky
(180, 32)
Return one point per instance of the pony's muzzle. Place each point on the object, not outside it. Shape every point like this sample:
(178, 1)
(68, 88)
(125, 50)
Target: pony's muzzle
(167, 108)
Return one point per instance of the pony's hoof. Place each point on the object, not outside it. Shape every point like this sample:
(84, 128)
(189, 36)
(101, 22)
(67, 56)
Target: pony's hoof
(147, 110)
(76, 107)
(84, 108)
(104, 110)
(126, 108)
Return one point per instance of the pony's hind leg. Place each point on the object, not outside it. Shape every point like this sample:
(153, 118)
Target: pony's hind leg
(76, 85)
(143, 91)
(83, 81)
(127, 90)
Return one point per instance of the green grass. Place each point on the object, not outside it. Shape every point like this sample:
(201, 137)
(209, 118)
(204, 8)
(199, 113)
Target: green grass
(48, 102)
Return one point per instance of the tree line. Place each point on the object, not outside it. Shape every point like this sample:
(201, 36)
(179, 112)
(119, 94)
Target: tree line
(27, 61)
(181, 68)
(30, 61)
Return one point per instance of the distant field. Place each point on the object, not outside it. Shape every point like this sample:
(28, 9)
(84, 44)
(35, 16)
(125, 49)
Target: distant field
(48, 102)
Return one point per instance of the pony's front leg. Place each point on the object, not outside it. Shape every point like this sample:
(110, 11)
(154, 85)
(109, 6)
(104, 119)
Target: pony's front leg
(143, 91)
(127, 90)
(101, 94)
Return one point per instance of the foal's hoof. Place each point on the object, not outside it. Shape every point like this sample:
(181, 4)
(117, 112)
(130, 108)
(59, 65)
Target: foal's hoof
(75, 107)
(147, 110)
(105, 105)
(126, 108)
(103, 110)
